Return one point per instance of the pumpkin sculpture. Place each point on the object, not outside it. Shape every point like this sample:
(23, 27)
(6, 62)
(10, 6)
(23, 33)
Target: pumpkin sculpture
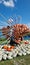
(19, 31)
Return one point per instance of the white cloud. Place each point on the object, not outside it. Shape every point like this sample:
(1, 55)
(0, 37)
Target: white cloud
(9, 3)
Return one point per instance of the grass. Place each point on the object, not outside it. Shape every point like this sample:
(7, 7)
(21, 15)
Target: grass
(3, 41)
(23, 60)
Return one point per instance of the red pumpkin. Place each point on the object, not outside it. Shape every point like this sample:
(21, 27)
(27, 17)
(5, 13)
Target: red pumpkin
(26, 42)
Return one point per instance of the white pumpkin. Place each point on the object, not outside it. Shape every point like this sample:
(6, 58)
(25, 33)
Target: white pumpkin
(0, 57)
(14, 54)
(24, 53)
(4, 56)
(20, 53)
(29, 46)
(28, 52)
(3, 51)
(9, 57)
(0, 52)
(24, 50)
(10, 53)
(6, 52)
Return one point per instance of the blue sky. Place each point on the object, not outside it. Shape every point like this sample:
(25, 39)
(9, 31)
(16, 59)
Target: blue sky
(12, 8)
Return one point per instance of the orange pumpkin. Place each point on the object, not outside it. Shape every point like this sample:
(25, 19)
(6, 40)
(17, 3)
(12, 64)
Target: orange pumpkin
(13, 47)
(8, 49)
(5, 47)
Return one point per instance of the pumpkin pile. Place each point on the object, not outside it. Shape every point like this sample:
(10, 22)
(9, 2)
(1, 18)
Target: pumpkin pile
(9, 52)
(8, 48)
